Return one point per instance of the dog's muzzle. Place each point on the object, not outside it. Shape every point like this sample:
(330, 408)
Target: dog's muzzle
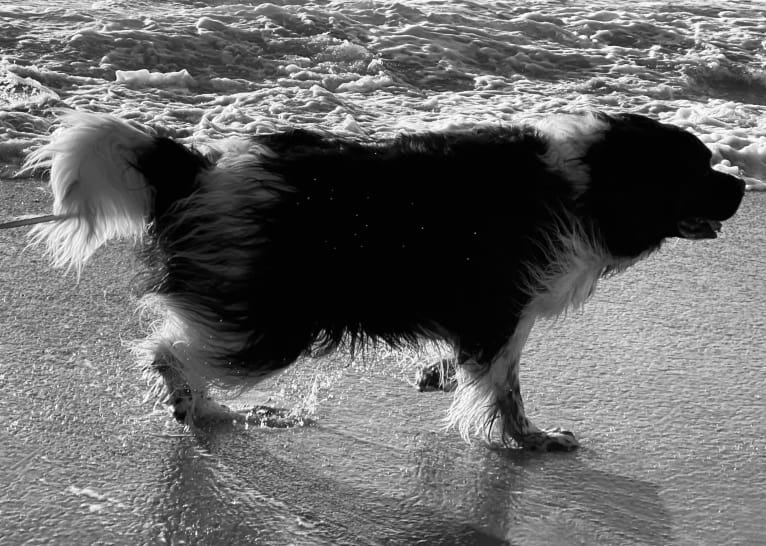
(716, 199)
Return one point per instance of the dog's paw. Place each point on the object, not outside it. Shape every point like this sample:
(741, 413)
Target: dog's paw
(198, 410)
(181, 402)
(270, 417)
(549, 440)
(439, 375)
(208, 412)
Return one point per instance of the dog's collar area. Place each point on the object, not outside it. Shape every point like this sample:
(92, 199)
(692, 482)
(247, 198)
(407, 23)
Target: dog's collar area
(698, 228)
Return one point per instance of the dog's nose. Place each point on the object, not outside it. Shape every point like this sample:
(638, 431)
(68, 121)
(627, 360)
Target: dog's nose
(742, 186)
(726, 195)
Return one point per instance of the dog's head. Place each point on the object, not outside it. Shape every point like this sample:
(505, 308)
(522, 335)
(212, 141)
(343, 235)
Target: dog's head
(650, 181)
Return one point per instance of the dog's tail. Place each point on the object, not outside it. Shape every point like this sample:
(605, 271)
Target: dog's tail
(109, 180)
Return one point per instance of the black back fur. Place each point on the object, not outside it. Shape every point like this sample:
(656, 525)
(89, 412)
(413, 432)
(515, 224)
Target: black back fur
(425, 236)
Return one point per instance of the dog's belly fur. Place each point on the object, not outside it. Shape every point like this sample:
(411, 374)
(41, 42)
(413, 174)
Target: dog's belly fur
(302, 243)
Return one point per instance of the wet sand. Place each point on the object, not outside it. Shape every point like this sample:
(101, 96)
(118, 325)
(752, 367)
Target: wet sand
(661, 377)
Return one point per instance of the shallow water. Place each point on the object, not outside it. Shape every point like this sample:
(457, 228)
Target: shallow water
(661, 376)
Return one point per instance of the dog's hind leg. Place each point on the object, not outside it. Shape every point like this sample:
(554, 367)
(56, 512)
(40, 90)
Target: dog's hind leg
(185, 394)
(188, 354)
(182, 359)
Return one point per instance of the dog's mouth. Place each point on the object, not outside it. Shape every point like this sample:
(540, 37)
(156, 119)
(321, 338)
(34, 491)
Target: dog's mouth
(698, 228)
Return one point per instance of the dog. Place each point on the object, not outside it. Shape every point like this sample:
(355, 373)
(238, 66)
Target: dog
(299, 242)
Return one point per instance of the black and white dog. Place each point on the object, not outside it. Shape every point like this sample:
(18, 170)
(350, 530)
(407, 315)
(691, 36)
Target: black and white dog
(300, 242)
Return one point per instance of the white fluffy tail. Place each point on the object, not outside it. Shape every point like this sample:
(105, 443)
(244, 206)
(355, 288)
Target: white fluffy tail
(95, 185)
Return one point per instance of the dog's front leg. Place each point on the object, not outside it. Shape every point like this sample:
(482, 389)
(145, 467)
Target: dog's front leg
(515, 423)
(489, 393)
(440, 375)
(504, 375)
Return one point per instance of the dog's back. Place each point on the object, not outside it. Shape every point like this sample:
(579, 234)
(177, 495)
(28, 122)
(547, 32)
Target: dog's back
(423, 236)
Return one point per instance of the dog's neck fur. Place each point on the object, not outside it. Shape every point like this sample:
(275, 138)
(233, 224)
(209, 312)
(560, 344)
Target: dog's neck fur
(569, 137)
(577, 262)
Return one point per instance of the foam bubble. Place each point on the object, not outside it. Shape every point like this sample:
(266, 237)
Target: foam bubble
(375, 68)
(145, 78)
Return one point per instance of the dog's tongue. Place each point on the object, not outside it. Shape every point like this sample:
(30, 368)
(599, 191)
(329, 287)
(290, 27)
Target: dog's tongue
(698, 228)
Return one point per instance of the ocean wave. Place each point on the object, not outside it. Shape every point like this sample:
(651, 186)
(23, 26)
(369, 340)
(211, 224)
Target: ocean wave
(208, 70)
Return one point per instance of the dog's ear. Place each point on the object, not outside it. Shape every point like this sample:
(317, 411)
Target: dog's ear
(631, 197)
(636, 133)
(642, 150)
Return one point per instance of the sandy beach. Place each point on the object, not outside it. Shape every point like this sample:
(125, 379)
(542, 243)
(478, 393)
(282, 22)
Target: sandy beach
(661, 377)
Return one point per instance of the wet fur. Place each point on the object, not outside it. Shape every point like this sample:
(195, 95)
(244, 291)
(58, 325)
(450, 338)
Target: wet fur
(299, 242)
